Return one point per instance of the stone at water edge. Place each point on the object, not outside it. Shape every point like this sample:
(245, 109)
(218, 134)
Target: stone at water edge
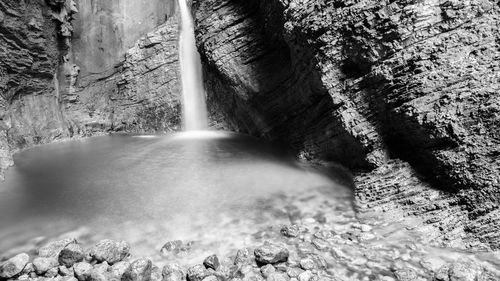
(156, 274)
(278, 276)
(100, 272)
(139, 270)
(14, 266)
(173, 272)
(44, 264)
(212, 262)
(197, 273)
(110, 251)
(53, 249)
(244, 256)
(267, 269)
(82, 270)
(71, 254)
(117, 270)
(290, 230)
(271, 253)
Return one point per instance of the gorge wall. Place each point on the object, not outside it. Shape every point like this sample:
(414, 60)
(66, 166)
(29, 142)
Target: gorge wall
(403, 92)
(78, 68)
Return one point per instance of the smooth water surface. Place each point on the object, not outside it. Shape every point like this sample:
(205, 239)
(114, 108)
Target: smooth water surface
(121, 184)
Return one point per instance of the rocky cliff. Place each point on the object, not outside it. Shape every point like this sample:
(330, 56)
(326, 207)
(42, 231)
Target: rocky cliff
(78, 68)
(405, 93)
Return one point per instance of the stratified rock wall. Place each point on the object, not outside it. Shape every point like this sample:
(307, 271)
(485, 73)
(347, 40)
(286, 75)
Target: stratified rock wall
(374, 85)
(64, 75)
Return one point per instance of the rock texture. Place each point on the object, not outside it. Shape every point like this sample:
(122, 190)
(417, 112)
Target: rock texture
(65, 74)
(405, 93)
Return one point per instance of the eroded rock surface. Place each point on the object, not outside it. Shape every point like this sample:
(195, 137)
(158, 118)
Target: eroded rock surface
(65, 74)
(366, 83)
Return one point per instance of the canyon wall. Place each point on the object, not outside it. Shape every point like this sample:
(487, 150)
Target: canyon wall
(404, 93)
(79, 68)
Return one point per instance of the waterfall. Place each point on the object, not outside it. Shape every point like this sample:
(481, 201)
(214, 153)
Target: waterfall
(194, 105)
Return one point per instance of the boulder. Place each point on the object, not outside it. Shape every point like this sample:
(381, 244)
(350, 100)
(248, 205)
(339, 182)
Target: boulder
(14, 266)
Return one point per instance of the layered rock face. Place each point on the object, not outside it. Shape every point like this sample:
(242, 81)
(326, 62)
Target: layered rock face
(78, 68)
(405, 93)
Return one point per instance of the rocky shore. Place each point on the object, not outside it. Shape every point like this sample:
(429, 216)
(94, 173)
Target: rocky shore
(313, 235)
(67, 260)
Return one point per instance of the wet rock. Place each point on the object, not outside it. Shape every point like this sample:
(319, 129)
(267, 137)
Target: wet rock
(248, 272)
(29, 268)
(463, 271)
(197, 273)
(100, 272)
(244, 256)
(321, 244)
(307, 264)
(210, 278)
(139, 270)
(171, 247)
(44, 264)
(14, 266)
(267, 269)
(53, 249)
(110, 251)
(82, 270)
(64, 271)
(173, 272)
(212, 262)
(270, 253)
(323, 234)
(117, 270)
(156, 274)
(52, 272)
(407, 274)
(290, 230)
(305, 276)
(277, 276)
(71, 254)
(294, 272)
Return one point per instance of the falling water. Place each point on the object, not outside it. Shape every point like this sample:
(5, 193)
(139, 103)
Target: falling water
(195, 112)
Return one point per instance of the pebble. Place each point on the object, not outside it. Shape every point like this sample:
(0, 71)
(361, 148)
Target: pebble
(173, 272)
(290, 230)
(44, 264)
(212, 262)
(271, 253)
(307, 264)
(139, 270)
(71, 254)
(82, 270)
(267, 269)
(197, 273)
(110, 251)
(53, 249)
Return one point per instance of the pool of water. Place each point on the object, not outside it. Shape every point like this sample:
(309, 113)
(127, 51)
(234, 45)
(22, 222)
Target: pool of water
(150, 189)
